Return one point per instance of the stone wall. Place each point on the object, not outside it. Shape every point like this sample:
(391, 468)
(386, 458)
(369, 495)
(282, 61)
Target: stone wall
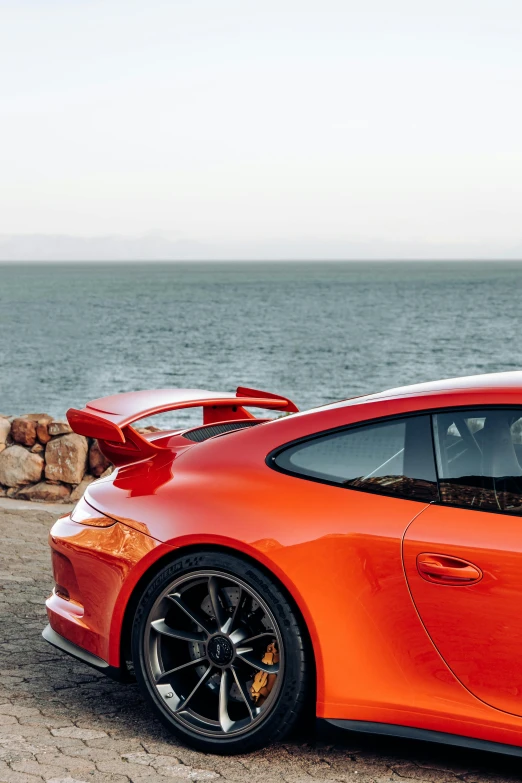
(43, 459)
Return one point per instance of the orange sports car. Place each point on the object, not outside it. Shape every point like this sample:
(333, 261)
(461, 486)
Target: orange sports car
(364, 557)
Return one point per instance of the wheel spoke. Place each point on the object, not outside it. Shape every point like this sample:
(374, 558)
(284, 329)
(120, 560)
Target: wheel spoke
(250, 639)
(232, 625)
(224, 689)
(241, 605)
(244, 693)
(229, 611)
(213, 591)
(238, 635)
(164, 675)
(194, 615)
(225, 599)
(227, 603)
(199, 683)
(187, 636)
(243, 654)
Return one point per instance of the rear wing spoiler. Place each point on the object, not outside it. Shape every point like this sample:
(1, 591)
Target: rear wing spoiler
(109, 419)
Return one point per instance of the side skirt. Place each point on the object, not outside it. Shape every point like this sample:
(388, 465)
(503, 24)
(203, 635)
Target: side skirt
(65, 645)
(407, 732)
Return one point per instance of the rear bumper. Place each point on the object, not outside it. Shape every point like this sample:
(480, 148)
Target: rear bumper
(95, 571)
(116, 673)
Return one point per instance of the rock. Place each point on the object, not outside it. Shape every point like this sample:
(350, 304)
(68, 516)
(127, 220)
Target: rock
(5, 429)
(18, 467)
(41, 420)
(98, 462)
(107, 472)
(24, 431)
(58, 428)
(3, 492)
(66, 458)
(2, 447)
(78, 491)
(52, 493)
(11, 492)
(147, 430)
(42, 432)
(37, 448)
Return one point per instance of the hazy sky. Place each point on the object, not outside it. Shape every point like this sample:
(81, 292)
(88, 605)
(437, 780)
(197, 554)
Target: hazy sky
(273, 121)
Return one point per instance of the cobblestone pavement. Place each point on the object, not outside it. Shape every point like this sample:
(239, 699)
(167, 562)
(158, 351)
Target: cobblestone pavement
(61, 722)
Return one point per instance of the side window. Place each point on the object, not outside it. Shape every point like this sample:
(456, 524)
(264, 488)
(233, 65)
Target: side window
(394, 457)
(479, 458)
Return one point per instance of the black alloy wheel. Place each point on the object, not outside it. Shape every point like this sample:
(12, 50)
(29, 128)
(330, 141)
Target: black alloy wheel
(220, 653)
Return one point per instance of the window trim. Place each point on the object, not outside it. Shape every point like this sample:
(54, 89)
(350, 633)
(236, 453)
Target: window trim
(271, 457)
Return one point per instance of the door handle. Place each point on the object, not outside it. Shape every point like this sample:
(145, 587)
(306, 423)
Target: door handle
(445, 570)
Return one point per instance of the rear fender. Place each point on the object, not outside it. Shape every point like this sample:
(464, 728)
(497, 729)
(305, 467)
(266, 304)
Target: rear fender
(138, 579)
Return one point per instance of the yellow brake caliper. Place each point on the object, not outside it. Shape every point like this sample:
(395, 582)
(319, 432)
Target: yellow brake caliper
(264, 682)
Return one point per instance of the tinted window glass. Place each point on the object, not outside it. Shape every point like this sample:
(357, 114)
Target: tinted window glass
(479, 458)
(394, 457)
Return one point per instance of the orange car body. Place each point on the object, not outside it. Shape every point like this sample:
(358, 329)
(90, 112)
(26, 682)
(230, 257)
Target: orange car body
(393, 651)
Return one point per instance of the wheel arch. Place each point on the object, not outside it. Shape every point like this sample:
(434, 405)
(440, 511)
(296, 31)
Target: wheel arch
(312, 647)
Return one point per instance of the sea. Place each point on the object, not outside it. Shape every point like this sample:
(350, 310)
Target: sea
(315, 332)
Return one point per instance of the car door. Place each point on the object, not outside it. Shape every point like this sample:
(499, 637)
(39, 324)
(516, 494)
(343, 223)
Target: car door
(358, 488)
(463, 555)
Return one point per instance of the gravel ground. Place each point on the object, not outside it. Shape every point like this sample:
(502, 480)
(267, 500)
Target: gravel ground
(61, 722)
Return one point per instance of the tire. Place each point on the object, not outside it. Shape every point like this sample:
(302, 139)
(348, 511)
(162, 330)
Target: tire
(202, 626)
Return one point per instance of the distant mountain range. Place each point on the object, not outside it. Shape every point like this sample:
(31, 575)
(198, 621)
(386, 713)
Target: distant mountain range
(61, 247)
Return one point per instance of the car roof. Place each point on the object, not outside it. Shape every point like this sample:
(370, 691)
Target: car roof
(497, 382)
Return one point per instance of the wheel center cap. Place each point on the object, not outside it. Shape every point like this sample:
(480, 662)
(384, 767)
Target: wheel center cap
(220, 650)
